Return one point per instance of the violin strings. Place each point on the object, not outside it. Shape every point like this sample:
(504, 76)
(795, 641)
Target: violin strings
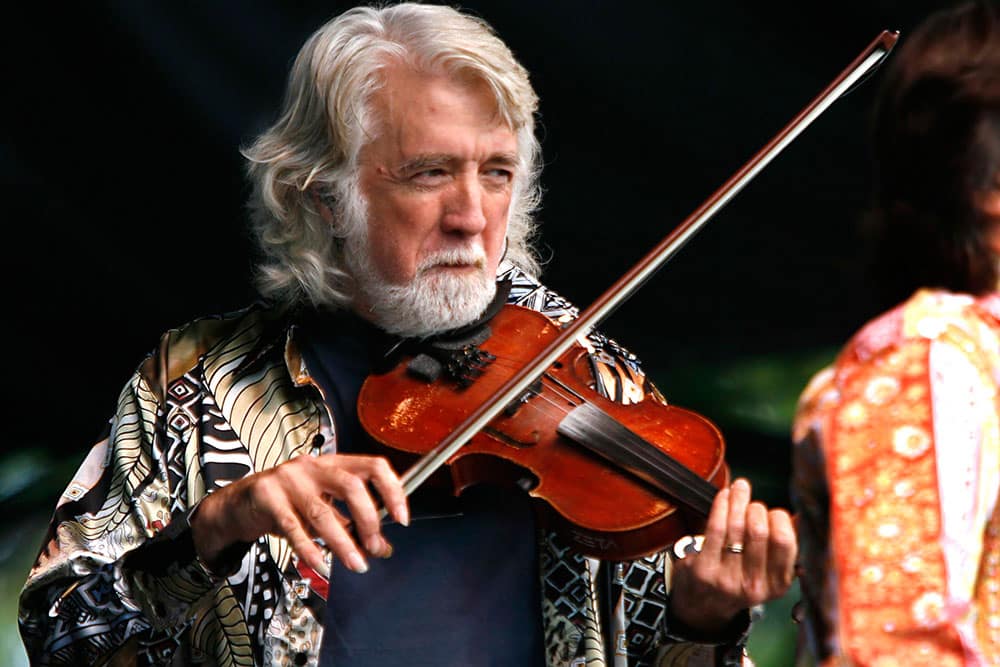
(561, 389)
(670, 475)
(564, 395)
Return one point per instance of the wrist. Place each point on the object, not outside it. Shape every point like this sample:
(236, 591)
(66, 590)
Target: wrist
(712, 630)
(215, 548)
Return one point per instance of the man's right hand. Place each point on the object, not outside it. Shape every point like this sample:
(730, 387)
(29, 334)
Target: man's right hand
(294, 500)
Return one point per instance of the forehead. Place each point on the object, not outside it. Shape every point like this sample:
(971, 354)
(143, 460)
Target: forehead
(413, 103)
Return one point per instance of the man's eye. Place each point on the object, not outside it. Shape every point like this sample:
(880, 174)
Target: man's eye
(429, 174)
(505, 175)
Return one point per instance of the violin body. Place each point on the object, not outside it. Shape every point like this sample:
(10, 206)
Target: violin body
(600, 508)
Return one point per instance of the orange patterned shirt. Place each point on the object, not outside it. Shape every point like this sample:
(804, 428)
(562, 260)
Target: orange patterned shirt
(896, 479)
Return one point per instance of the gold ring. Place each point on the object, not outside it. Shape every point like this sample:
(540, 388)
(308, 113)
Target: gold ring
(735, 548)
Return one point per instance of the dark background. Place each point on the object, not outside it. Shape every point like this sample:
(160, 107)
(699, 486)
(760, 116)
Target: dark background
(124, 195)
(124, 191)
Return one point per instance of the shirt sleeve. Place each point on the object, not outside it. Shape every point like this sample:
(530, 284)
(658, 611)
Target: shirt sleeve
(118, 566)
(810, 500)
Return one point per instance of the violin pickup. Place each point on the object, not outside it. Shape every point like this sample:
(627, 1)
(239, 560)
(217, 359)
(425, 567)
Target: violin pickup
(425, 367)
(463, 365)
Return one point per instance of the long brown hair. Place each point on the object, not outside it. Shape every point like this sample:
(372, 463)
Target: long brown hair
(937, 151)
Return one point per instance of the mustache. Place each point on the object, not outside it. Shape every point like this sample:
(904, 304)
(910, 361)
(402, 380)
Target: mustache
(473, 255)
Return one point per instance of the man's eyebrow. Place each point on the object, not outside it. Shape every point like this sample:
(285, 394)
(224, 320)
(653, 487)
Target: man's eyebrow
(425, 161)
(508, 159)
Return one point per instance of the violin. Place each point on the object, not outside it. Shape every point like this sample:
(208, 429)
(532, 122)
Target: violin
(604, 472)
(616, 481)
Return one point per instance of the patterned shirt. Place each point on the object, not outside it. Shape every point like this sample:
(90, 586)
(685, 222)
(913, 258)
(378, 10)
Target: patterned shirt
(118, 580)
(896, 479)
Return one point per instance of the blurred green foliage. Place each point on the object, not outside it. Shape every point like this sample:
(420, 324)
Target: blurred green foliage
(31, 480)
(756, 394)
(19, 544)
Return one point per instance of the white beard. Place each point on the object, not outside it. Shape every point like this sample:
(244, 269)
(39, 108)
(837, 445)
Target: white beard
(434, 301)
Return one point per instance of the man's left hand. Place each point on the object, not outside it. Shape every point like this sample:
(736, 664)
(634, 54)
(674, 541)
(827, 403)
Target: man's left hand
(747, 558)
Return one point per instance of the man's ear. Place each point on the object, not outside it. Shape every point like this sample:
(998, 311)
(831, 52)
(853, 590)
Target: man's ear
(324, 203)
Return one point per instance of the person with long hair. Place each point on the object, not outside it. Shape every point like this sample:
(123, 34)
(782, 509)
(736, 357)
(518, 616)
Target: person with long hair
(897, 443)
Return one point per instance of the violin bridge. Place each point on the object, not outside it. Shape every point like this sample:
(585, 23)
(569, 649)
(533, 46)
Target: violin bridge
(534, 390)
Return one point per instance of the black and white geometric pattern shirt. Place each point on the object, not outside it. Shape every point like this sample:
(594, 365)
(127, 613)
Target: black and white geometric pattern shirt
(118, 582)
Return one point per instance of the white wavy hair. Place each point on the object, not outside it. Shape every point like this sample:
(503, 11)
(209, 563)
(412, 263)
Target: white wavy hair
(326, 120)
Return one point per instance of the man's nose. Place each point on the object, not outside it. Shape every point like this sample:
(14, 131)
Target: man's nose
(463, 212)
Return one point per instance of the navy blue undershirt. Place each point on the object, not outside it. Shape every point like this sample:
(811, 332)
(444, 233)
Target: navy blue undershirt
(462, 585)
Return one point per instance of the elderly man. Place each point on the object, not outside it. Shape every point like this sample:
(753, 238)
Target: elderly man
(393, 204)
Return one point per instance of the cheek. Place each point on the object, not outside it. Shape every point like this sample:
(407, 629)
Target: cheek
(392, 247)
(991, 206)
(396, 257)
(994, 237)
(494, 236)
(407, 231)
(496, 209)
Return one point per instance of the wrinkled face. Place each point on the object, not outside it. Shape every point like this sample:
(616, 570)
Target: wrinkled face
(437, 179)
